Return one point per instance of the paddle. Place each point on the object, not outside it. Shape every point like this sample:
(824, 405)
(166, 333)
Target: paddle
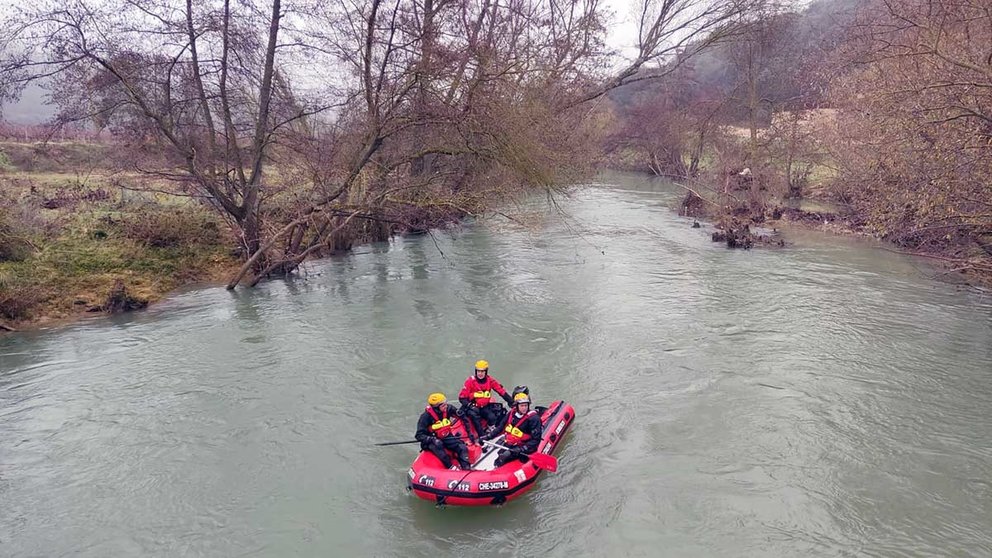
(412, 441)
(541, 460)
(397, 443)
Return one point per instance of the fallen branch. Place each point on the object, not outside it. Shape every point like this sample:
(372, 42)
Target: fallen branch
(683, 186)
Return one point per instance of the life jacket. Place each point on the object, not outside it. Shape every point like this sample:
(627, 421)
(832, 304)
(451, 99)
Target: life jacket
(515, 436)
(442, 425)
(483, 393)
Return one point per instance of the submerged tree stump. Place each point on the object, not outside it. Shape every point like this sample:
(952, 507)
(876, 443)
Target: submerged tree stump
(738, 234)
(692, 205)
(735, 236)
(120, 301)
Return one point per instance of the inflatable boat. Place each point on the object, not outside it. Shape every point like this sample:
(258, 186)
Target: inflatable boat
(485, 484)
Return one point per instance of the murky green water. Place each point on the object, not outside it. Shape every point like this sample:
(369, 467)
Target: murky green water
(825, 400)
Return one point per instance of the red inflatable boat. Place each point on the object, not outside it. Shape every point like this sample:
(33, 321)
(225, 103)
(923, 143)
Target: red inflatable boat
(486, 484)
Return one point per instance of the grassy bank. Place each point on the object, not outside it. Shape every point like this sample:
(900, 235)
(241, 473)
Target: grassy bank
(70, 232)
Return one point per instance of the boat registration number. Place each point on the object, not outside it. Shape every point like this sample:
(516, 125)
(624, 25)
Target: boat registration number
(497, 485)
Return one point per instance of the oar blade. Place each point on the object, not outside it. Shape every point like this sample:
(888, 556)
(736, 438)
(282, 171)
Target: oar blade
(544, 461)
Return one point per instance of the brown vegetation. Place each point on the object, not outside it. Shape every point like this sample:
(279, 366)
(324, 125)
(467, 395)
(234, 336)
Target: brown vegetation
(72, 243)
(407, 115)
(309, 129)
(913, 140)
(882, 108)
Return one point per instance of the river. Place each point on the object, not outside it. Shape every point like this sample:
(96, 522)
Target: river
(828, 399)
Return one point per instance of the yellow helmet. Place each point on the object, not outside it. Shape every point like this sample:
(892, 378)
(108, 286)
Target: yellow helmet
(521, 398)
(436, 399)
(482, 365)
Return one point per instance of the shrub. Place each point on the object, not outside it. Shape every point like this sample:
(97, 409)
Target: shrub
(5, 164)
(171, 227)
(15, 243)
(18, 296)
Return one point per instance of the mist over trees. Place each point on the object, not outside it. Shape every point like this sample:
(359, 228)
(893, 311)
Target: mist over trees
(773, 62)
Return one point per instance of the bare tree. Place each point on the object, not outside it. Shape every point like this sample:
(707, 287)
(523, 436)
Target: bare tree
(199, 78)
(416, 112)
(672, 32)
(913, 138)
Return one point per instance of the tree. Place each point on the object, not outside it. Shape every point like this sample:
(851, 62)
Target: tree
(308, 123)
(669, 124)
(200, 77)
(461, 106)
(913, 136)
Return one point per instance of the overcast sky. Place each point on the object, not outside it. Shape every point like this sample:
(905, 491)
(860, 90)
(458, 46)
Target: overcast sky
(32, 107)
(623, 31)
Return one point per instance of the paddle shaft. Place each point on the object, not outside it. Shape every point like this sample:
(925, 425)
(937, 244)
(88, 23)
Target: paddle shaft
(414, 441)
(541, 460)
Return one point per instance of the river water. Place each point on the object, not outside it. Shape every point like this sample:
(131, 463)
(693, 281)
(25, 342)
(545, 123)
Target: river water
(829, 399)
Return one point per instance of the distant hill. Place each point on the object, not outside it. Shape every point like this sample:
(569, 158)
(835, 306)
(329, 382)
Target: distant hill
(802, 40)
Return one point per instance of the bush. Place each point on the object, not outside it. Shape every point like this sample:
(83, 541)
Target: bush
(171, 227)
(5, 163)
(15, 243)
(17, 297)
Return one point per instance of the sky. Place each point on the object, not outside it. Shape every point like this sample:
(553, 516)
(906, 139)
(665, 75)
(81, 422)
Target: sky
(32, 108)
(623, 31)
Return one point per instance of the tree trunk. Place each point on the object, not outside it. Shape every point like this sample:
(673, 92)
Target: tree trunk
(251, 231)
(251, 223)
(752, 104)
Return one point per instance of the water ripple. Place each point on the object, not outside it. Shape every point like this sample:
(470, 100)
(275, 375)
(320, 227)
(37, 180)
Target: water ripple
(821, 400)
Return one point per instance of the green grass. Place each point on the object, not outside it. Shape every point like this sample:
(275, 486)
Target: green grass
(77, 252)
(5, 163)
(73, 271)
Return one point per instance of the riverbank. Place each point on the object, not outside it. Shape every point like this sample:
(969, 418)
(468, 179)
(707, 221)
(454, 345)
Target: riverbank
(744, 222)
(78, 236)
(76, 240)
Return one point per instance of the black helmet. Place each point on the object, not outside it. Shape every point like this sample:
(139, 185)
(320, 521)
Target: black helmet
(521, 389)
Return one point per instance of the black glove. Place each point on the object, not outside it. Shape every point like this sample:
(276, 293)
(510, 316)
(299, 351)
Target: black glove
(508, 398)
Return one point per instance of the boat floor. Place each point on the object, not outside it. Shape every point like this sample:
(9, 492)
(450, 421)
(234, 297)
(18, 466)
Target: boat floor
(487, 461)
